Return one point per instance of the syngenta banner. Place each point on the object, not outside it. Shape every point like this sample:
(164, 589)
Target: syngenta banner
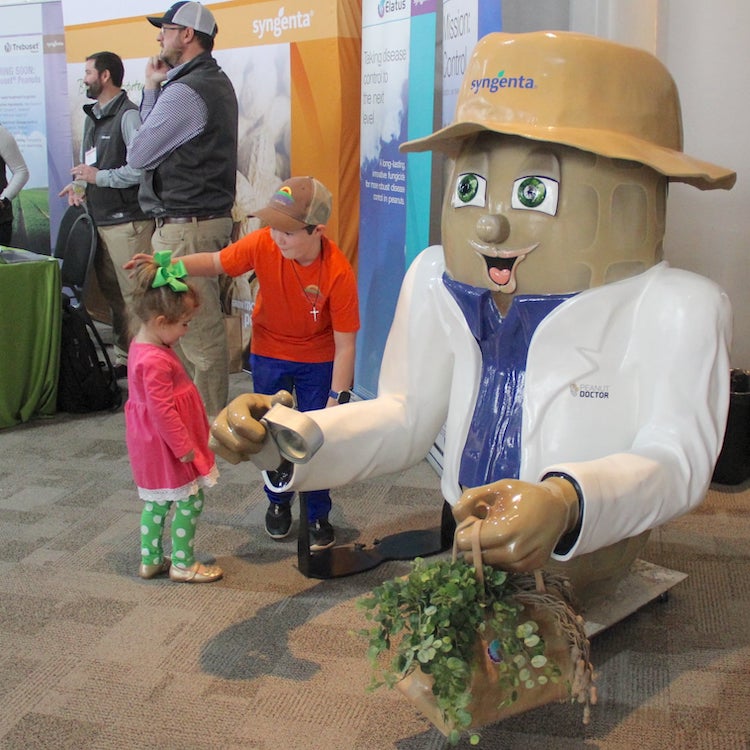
(281, 22)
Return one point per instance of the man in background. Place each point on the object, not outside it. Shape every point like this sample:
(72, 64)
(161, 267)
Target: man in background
(187, 147)
(109, 185)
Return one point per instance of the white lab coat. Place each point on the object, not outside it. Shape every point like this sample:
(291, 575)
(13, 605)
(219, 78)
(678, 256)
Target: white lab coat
(627, 392)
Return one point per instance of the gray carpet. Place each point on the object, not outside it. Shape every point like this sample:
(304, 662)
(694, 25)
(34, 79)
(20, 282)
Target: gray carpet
(92, 657)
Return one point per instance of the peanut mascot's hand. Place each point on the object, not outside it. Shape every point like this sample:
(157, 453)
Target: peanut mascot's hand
(237, 432)
(522, 521)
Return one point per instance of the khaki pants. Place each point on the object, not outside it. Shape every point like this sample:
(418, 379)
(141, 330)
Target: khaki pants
(204, 347)
(118, 243)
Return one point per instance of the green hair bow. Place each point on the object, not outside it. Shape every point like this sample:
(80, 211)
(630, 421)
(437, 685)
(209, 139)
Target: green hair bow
(168, 273)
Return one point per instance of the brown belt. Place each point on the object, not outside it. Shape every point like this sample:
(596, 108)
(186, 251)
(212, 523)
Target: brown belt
(161, 220)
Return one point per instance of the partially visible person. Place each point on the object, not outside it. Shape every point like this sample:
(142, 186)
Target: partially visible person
(166, 424)
(187, 147)
(12, 159)
(109, 186)
(305, 320)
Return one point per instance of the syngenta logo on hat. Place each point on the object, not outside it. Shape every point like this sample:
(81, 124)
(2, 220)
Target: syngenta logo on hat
(281, 22)
(501, 81)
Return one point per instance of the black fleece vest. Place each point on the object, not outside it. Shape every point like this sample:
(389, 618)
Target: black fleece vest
(110, 205)
(199, 177)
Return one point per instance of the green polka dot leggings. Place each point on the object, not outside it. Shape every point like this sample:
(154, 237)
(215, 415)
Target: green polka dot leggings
(184, 521)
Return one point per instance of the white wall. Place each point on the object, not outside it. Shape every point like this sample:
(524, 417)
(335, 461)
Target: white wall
(704, 45)
(632, 22)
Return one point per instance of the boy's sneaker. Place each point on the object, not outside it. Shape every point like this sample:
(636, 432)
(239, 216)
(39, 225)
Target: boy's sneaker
(322, 535)
(278, 520)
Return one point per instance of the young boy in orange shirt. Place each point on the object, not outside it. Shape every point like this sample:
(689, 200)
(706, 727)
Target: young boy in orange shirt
(305, 319)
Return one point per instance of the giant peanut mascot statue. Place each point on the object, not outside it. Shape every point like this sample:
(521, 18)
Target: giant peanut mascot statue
(583, 383)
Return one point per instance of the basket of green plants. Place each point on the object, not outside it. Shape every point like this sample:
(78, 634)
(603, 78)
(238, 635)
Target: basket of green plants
(469, 645)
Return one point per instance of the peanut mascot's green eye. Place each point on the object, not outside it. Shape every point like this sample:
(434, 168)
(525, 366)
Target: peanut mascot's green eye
(467, 187)
(532, 192)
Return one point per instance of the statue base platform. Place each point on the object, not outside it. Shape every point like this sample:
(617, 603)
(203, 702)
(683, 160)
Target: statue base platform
(643, 583)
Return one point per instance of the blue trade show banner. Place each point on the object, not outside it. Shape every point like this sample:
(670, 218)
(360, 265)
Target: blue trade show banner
(465, 22)
(406, 93)
(386, 52)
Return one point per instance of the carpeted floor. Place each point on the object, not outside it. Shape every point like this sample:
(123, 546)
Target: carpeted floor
(92, 657)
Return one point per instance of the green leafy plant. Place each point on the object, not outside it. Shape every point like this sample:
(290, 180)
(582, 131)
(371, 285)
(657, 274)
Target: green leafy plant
(430, 619)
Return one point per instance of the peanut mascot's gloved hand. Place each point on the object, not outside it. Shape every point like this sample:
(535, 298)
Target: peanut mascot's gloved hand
(237, 432)
(522, 521)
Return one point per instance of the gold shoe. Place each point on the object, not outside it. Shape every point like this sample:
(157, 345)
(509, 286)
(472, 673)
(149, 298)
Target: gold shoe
(151, 571)
(196, 573)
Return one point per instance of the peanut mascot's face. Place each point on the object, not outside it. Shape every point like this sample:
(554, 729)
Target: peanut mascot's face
(528, 217)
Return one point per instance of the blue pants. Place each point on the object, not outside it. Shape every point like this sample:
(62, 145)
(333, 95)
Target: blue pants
(310, 383)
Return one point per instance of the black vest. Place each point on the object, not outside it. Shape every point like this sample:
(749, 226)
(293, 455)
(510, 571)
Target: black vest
(110, 205)
(199, 177)
(6, 213)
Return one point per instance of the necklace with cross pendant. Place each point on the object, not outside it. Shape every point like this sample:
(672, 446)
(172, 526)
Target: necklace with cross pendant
(313, 302)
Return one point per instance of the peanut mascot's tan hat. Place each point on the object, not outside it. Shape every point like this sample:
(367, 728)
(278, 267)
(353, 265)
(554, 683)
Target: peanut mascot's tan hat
(580, 91)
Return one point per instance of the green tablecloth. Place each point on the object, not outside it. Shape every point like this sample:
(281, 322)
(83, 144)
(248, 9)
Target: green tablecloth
(29, 336)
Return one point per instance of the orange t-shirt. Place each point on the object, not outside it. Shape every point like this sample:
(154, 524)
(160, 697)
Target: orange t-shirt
(298, 307)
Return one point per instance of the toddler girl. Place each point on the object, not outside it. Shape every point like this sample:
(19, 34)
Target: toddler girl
(166, 424)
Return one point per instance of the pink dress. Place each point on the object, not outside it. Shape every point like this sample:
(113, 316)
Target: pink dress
(165, 418)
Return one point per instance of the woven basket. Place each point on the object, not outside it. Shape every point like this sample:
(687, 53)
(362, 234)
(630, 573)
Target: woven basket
(569, 654)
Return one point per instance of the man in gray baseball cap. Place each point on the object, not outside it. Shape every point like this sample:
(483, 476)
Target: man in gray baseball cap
(187, 149)
(190, 15)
